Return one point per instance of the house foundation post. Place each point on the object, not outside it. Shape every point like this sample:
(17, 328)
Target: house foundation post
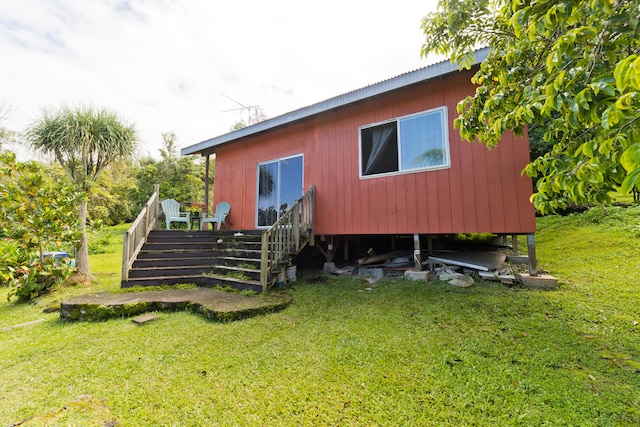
(329, 265)
(206, 186)
(534, 279)
(330, 250)
(514, 245)
(531, 248)
(416, 252)
(346, 247)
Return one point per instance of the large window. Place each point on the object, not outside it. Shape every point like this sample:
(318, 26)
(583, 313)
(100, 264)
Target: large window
(410, 143)
(279, 186)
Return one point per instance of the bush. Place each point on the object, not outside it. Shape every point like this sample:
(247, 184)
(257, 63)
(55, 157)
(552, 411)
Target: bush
(22, 270)
(100, 244)
(38, 277)
(13, 257)
(623, 218)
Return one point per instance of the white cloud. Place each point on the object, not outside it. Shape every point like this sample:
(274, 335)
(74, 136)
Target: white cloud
(164, 64)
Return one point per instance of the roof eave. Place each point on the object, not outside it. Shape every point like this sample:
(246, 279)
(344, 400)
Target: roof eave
(431, 72)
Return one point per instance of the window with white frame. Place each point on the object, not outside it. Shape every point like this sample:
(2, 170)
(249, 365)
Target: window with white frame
(406, 144)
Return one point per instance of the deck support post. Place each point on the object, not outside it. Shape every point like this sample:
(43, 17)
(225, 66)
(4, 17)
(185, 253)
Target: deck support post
(514, 245)
(346, 247)
(156, 221)
(206, 187)
(264, 262)
(531, 248)
(416, 252)
(330, 250)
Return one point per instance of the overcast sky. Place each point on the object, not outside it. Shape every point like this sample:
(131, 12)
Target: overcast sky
(165, 65)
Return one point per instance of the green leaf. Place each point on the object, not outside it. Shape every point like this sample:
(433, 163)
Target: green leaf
(630, 181)
(626, 71)
(630, 159)
(634, 80)
(609, 117)
(519, 20)
(604, 86)
(625, 102)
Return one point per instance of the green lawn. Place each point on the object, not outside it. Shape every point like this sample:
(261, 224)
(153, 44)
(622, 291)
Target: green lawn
(403, 354)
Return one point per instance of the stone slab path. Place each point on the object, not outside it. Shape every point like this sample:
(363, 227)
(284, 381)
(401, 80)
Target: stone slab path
(214, 305)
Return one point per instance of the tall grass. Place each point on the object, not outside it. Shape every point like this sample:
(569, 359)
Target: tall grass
(404, 353)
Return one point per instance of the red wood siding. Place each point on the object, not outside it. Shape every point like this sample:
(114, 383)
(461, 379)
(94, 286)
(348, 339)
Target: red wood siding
(482, 191)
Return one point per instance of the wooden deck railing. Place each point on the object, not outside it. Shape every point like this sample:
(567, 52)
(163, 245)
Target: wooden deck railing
(286, 238)
(136, 236)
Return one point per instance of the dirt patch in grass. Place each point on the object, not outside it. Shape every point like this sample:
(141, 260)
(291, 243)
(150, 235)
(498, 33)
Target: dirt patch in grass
(85, 410)
(79, 280)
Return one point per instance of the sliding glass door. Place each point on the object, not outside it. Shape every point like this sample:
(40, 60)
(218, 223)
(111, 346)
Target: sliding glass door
(279, 186)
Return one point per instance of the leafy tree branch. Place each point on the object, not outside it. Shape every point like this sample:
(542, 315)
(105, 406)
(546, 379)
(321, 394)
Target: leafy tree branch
(569, 67)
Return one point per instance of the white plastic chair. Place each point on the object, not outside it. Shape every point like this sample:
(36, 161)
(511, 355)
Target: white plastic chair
(172, 213)
(218, 218)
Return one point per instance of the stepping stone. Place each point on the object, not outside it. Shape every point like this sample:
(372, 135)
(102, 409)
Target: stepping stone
(20, 325)
(214, 305)
(146, 318)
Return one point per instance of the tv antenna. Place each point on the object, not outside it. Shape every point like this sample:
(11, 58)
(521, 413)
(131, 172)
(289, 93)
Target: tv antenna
(242, 108)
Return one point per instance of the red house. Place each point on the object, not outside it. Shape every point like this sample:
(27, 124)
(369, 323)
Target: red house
(384, 160)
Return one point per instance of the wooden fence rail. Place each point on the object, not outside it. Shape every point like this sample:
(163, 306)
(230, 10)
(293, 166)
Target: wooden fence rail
(136, 236)
(286, 238)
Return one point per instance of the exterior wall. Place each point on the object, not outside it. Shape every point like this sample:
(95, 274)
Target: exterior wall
(482, 191)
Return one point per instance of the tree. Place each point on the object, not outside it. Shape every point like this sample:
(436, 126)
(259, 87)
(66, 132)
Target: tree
(255, 115)
(180, 178)
(570, 66)
(6, 135)
(84, 141)
(238, 125)
(38, 213)
(169, 152)
(109, 201)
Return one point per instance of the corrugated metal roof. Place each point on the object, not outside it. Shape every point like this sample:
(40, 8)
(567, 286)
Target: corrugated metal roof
(421, 75)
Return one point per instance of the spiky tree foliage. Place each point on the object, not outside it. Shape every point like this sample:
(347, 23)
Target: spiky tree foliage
(84, 141)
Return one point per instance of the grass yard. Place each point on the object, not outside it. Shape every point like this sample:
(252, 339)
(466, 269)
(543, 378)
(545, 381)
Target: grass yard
(403, 354)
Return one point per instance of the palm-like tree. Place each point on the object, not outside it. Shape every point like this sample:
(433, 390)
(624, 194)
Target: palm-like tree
(84, 141)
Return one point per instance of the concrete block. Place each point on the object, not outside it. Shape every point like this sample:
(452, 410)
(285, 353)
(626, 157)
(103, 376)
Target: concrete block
(543, 281)
(329, 267)
(518, 259)
(417, 275)
(145, 318)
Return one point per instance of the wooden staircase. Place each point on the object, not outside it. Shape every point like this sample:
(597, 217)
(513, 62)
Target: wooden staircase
(204, 258)
(242, 259)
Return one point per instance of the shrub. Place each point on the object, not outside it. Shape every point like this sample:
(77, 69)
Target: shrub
(13, 257)
(29, 277)
(100, 244)
(38, 277)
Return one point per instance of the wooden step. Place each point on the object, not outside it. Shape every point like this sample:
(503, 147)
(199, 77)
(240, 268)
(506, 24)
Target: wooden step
(200, 237)
(188, 245)
(194, 270)
(175, 253)
(224, 234)
(188, 261)
(176, 261)
(198, 280)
